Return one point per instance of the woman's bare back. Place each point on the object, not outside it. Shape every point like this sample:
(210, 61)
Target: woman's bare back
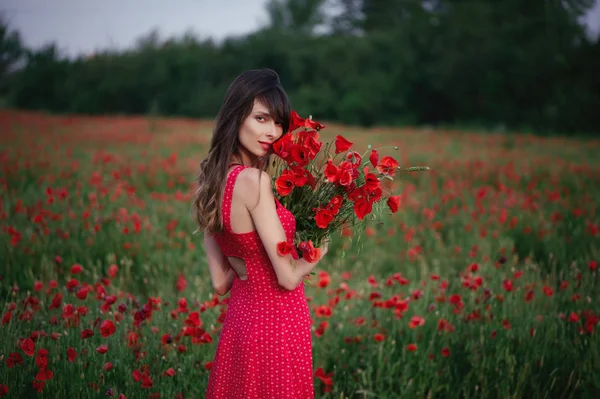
(241, 223)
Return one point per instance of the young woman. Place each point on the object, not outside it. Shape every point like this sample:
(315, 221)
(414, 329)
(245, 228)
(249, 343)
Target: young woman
(265, 347)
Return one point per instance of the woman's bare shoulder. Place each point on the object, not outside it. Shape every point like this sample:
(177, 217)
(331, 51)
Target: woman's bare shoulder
(253, 179)
(254, 184)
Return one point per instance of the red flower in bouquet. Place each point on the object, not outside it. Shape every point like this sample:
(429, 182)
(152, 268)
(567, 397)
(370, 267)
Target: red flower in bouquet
(285, 183)
(328, 187)
(284, 248)
(309, 252)
(388, 166)
(374, 158)
(342, 144)
(323, 217)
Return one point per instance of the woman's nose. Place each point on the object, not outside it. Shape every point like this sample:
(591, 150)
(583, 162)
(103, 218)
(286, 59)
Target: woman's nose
(272, 131)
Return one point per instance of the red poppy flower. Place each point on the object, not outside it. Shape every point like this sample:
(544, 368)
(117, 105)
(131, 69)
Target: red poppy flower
(299, 155)
(41, 359)
(321, 328)
(325, 378)
(112, 271)
(362, 208)
(374, 158)
(132, 338)
(72, 283)
(86, 333)
(71, 354)
(102, 349)
(283, 147)
(181, 283)
(28, 346)
(416, 321)
(312, 144)
(166, 339)
(302, 177)
(335, 203)
(309, 123)
(137, 375)
(76, 269)
(193, 320)
(344, 178)
(411, 347)
(295, 121)
(285, 183)
(6, 318)
(107, 328)
(332, 172)
(147, 382)
(14, 359)
(169, 372)
(309, 252)
(548, 291)
(393, 203)
(56, 301)
(342, 144)
(387, 166)
(284, 248)
(44, 375)
(323, 217)
(324, 279)
(573, 317)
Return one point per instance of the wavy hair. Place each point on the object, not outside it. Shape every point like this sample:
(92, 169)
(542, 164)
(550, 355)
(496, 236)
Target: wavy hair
(254, 85)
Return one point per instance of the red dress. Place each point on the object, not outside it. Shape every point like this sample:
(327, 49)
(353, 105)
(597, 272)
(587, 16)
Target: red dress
(264, 349)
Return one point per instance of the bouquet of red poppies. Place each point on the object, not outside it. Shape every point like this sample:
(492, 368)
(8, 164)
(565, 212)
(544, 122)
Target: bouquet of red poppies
(329, 186)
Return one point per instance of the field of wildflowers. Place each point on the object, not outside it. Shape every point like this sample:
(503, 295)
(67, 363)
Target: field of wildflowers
(483, 285)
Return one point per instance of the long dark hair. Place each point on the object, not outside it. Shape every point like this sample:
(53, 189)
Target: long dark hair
(254, 85)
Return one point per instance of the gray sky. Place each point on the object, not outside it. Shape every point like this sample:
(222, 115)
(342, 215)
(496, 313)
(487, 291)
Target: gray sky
(82, 26)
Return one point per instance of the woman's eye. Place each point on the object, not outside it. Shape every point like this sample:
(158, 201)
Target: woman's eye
(260, 118)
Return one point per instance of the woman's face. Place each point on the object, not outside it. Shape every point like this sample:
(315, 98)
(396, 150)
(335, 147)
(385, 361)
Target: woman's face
(258, 133)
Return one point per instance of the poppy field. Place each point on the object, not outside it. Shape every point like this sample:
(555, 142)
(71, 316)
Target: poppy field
(483, 285)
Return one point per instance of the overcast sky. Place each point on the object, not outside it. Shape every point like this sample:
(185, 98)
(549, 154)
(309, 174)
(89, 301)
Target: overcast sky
(81, 26)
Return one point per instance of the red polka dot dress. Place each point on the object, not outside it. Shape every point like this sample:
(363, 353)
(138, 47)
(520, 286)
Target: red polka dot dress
(264, 349)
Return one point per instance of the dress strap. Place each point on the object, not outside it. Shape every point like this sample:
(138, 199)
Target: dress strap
(228, 196)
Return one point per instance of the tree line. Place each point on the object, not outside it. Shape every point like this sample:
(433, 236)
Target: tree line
(513, 65)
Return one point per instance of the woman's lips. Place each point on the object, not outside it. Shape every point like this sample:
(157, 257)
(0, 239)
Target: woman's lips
(266, 146)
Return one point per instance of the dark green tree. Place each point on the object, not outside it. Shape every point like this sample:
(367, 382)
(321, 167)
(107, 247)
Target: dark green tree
(295, 16)
(11, 53)
(508, 64)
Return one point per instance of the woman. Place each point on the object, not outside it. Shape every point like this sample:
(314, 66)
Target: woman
(264, 348)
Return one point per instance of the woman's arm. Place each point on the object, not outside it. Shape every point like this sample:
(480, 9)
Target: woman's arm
(221, 272)
(260, 202)
(228, 281)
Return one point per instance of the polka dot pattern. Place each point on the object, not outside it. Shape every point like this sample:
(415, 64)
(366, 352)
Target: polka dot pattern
(264, 349)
